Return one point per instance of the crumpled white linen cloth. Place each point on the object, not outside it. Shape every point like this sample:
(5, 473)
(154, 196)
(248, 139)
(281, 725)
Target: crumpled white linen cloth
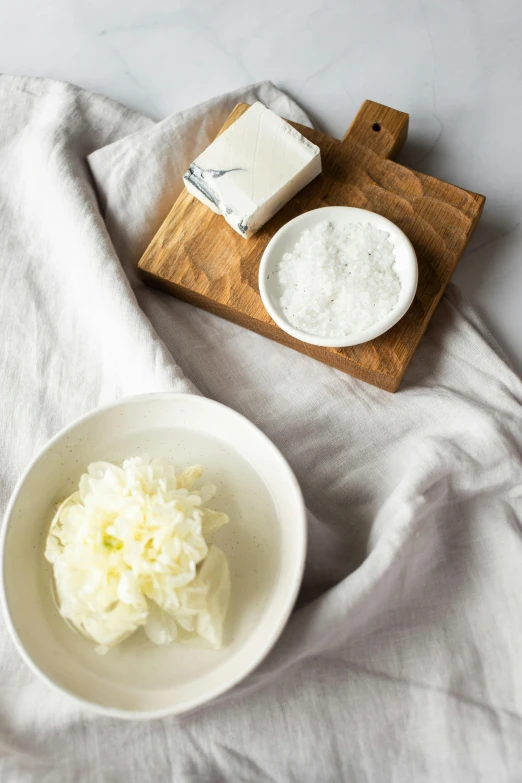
(402, 661)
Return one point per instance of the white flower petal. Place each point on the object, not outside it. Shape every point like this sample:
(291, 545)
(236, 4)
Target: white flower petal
(135, 533)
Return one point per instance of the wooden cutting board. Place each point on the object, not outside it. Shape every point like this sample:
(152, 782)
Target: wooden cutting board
(198, 257)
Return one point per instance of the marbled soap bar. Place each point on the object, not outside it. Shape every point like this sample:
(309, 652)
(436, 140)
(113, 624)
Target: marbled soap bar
(252, 169)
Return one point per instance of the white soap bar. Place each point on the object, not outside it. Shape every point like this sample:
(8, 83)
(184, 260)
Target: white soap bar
(253, 168)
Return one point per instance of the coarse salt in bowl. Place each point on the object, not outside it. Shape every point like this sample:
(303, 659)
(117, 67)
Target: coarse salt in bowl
(338, 276)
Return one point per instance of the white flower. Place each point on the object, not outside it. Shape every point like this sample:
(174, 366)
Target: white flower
(129, 549)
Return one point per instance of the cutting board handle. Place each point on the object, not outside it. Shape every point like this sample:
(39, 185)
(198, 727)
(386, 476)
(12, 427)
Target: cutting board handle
(379, 128)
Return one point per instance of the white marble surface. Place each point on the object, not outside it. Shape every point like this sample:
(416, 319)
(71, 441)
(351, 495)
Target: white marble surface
(454, 65)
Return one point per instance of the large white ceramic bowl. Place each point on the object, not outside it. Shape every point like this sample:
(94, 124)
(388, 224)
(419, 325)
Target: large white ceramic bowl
(265, 545)
(285, 240)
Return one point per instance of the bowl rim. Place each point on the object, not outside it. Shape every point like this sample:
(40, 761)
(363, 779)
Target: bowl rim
(355, 338)
(283, 613)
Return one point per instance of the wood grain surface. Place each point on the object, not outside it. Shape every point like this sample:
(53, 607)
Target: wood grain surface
(198, 257)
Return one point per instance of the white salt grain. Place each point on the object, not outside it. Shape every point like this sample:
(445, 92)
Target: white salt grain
(338, 279)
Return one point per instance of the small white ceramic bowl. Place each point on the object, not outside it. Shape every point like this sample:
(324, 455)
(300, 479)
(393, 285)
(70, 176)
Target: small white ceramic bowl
(265, 545)
(285, 240)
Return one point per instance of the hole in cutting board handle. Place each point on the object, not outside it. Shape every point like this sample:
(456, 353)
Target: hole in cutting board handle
(391, 134)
